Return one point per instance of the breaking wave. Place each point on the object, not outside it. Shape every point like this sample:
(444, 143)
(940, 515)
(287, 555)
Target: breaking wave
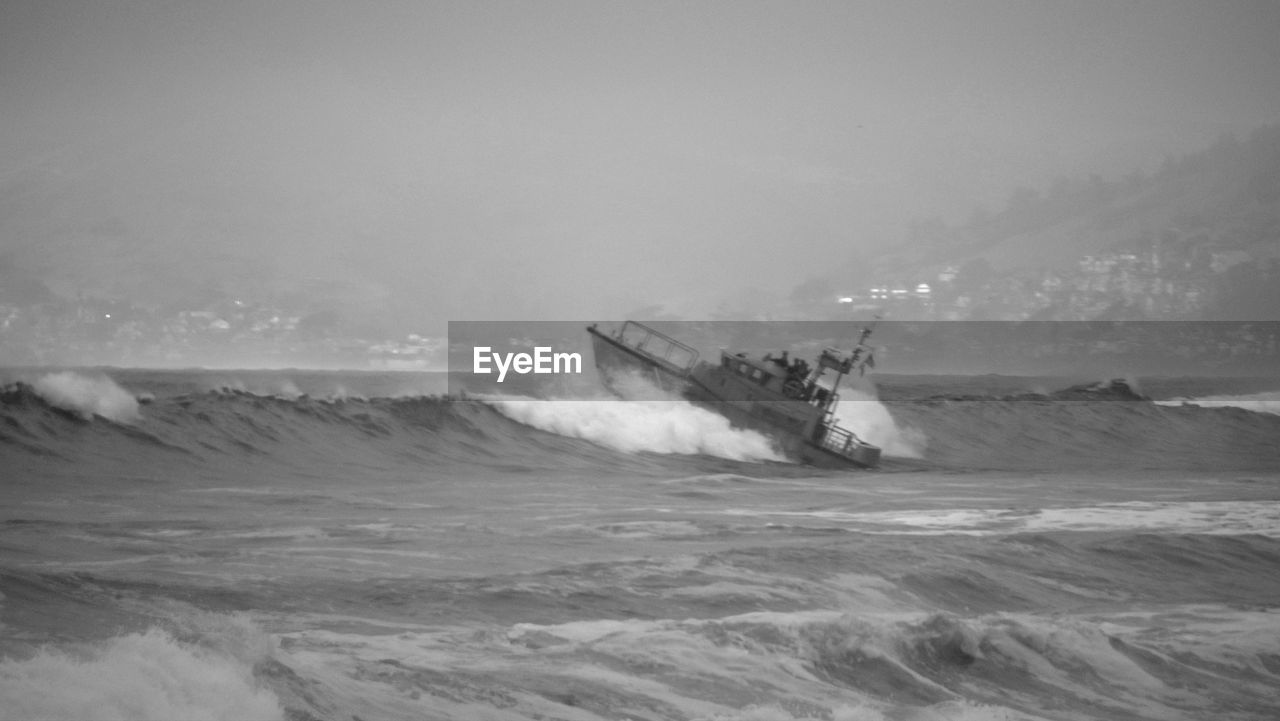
(88, 396)
(632, 426)
(994, 434)
(828, 664)
(144, 676)
(48, 418)
(1260, 402)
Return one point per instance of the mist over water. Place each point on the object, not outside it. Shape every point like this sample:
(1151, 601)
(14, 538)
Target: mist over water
(403, 165)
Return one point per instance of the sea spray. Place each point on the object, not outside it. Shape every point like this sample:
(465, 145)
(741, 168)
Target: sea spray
(865, 415)
(275, 387)
(633, 426)
(88, 396)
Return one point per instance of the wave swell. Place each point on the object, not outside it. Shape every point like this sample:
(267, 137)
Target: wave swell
(70, 417)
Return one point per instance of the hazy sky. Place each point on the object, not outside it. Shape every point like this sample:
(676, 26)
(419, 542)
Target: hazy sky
(578, 160)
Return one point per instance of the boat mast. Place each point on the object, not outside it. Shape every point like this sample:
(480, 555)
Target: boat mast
(857, 352)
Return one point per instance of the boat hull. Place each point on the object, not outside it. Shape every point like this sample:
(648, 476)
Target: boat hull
(796, 447)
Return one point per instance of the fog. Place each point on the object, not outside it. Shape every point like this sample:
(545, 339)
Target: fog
(417, 162)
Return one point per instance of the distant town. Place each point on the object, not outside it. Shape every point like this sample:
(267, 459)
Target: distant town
(1170, 281)
(91, 331)
(1158, 284)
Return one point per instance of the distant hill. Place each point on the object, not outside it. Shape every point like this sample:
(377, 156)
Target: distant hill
(1217, 212)
(1226, 197)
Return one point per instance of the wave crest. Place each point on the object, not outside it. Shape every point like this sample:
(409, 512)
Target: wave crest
(88, 396)
(656, 426)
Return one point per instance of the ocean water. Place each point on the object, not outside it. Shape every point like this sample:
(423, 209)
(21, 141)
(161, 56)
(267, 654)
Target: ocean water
(213, 545)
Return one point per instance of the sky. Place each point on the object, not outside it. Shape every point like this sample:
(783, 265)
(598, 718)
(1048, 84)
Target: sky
(574, 160)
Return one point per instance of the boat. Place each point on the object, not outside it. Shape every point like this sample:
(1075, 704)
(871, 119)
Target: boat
(780, 397)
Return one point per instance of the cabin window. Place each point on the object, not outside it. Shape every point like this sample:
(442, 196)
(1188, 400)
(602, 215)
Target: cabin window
(744, 369)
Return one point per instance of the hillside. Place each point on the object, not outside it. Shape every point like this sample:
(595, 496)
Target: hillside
(1206, 225)
(1225, 197)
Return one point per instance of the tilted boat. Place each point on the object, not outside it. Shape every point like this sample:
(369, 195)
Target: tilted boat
(777, 396)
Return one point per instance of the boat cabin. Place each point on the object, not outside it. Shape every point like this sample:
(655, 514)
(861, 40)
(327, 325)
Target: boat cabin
(780, 376)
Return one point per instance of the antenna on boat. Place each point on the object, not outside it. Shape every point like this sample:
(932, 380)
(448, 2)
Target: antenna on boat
(869, 360)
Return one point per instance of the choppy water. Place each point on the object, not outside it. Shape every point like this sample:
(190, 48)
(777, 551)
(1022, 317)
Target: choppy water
(370, 552)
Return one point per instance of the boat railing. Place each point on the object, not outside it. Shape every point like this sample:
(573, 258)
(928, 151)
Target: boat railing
(657, 345)
(840, 440)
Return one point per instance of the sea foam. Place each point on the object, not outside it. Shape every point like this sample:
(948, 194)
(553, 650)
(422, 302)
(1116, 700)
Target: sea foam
(634, 426)
(136, 677)
(1268, 402)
